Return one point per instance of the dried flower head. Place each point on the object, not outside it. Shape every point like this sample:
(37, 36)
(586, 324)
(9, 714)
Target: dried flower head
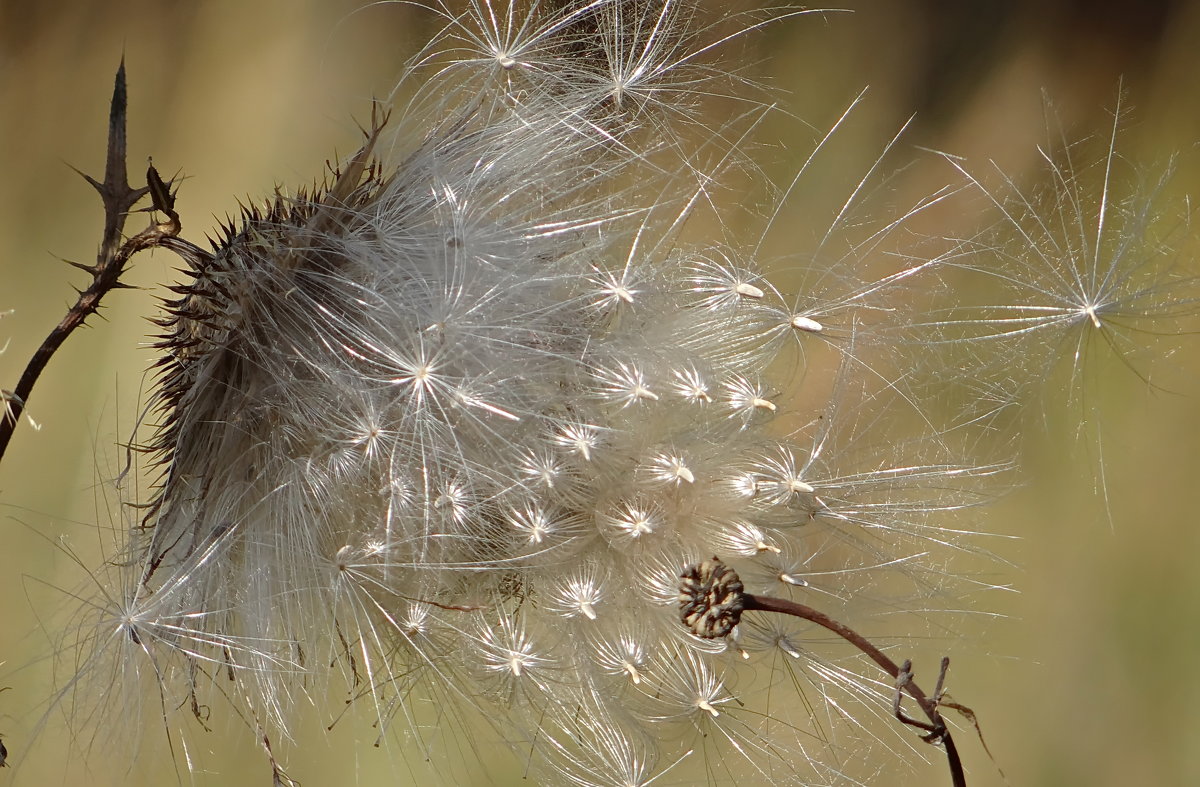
(710, 599)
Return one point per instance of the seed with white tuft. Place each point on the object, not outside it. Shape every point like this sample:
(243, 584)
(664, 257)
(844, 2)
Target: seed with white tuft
(748, 290)
(578, 595)
(579, 439)
(670, 469)
(806, 324)
(691, 386)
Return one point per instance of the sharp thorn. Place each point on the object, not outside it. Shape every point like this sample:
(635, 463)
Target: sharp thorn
(92, 269)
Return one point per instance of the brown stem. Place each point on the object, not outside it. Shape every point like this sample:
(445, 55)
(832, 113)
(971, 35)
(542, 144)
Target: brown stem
(118, 198)
(937, 727)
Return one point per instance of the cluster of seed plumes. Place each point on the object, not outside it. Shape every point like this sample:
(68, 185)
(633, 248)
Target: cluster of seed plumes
(450, 427)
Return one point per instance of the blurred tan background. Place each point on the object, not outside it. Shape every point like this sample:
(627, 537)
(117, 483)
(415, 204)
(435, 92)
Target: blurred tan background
(1086, 675)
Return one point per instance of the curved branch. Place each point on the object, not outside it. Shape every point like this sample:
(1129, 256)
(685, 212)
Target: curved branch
(712, 599)
(938, 732)
(118, 198)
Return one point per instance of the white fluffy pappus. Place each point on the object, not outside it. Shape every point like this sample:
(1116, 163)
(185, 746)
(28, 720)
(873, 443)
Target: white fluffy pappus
(450, 427)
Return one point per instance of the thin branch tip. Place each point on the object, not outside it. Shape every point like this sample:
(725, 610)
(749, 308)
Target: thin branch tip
(115, 251)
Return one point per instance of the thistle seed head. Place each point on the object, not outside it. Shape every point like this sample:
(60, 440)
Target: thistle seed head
(448, 427)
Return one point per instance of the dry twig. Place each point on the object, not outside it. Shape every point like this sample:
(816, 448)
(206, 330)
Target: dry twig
(118, 198)
(712, 600)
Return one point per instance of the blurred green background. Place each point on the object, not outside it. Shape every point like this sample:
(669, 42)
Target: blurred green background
(1086, 675)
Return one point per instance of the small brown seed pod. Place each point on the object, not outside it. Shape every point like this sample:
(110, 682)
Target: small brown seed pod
(710, 599)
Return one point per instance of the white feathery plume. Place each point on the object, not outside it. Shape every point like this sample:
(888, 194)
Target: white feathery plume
(450, 427)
